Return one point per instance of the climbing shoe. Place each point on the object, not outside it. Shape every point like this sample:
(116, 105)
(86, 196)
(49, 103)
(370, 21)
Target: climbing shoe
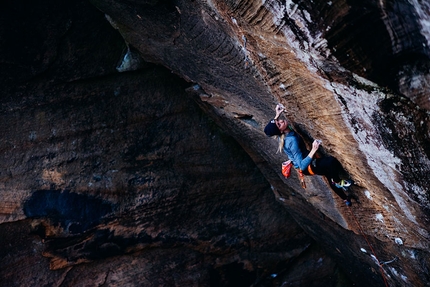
(345, 183)
(342, 184)
(348, 201)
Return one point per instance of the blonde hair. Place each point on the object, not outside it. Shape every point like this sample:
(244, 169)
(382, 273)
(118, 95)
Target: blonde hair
(281, 140)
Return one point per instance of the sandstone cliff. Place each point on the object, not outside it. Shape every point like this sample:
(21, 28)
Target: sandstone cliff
(133, 151)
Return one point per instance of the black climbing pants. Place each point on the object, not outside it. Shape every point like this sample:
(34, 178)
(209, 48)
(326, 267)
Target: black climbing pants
(331, 168)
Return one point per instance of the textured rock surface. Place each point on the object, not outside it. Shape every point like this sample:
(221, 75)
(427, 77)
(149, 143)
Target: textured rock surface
(112, 174)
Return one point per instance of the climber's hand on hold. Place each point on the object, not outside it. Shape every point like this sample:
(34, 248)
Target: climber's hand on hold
(279, 109)
(315, 145)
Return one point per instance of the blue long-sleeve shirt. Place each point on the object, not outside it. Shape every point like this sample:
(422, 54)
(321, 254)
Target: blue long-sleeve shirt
(296, 151)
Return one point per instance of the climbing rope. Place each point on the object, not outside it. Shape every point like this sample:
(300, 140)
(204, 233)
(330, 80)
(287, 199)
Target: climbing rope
(371, 248)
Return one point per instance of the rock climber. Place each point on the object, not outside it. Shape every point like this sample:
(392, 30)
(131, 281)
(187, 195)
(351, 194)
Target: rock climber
(293, 146)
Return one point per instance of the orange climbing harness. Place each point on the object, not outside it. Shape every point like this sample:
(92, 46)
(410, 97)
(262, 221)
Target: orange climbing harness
(310, 170)
(371, 248)
(302, 176)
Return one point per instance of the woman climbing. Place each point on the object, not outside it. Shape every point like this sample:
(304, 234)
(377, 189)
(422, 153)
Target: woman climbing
(293, 146)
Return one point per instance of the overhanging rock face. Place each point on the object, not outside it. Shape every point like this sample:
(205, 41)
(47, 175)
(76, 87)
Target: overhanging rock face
(344, 71)
(108, 164)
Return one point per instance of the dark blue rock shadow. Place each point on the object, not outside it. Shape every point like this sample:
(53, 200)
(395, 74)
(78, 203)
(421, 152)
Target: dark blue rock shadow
(75, 213)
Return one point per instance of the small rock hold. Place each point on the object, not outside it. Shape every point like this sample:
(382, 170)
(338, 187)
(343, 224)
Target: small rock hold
(398, 241)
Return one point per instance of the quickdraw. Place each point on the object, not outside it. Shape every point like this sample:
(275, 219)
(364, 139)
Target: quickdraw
(301, 178)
